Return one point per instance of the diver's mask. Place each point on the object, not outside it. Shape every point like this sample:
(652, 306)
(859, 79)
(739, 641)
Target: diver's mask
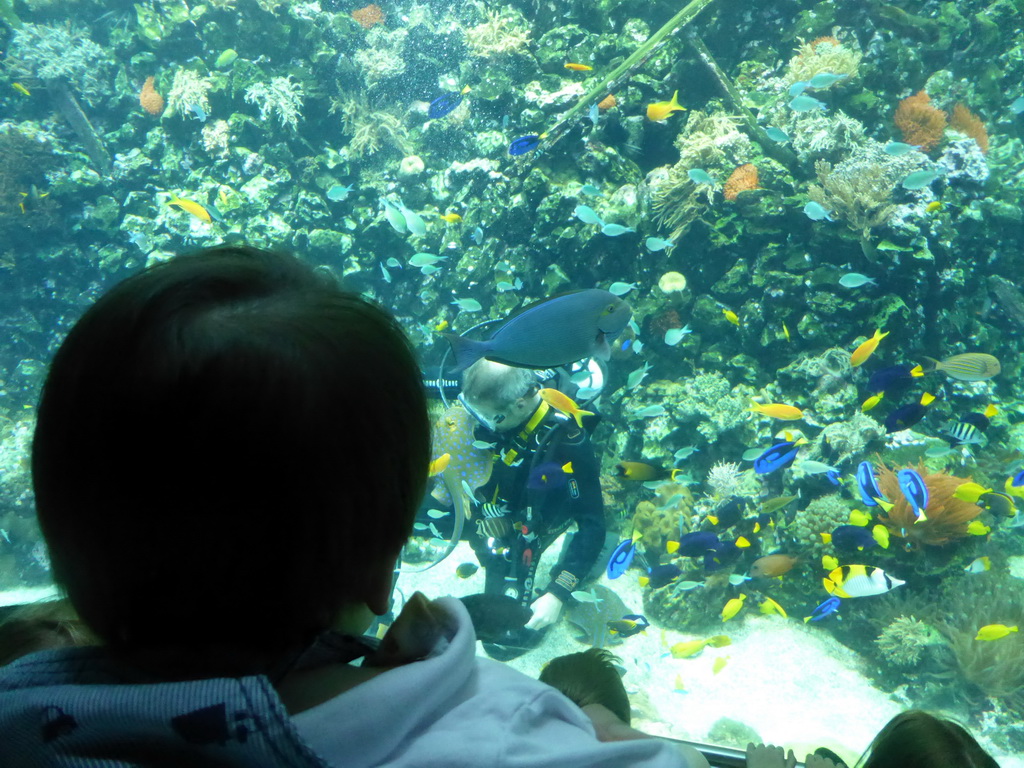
(488, 423)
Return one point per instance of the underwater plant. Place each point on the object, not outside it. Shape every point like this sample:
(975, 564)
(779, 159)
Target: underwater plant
(280, 97)
(945, 518)
(370, 130)
(188, 95)
(969, 124)
(857, 191)
(823, 54)
(503, 31)
(903, 641)
(921, 124)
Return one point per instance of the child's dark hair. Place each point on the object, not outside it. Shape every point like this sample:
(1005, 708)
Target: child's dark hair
(915, 739)
(40, 626)
(225, 441)
(589, 677)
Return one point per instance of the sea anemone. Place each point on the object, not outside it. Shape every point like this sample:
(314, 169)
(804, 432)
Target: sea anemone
(742, 179)
(946, 517)
(671, 282)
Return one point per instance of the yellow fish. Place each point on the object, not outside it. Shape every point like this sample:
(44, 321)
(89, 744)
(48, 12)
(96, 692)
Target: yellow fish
(679, 684)
(671, 547)
(770, 606)
(441, 326)
(776, 410)
(660, 110)
(687, 648)
(829, 563)
(859, 517)
(578, 67)
(933, 206)
(865, 350)
(994, 631)
(741, 542)
(1013, 490)
(881, 534)
(990, 411)
(451, 218)
(871, 402)
(785, 332)
(719, 664)
(21, 89)
(190, 206)
(562, 402)
(438, 465)
(970, 492)
(732, 607)
(732, 317)
(719, 641)
(978, 528)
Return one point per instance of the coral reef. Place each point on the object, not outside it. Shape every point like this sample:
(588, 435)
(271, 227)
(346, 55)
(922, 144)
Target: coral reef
(368, 16)
(370, 130)
(188, 94)
(857, 192)
(903, 642)
(61, 53)
(946, 516)
(822, 515)
(149, 99)
(969, 124)
(922, 124)
(742, 179)
(29, 215)
(280, 98)
(658, 523)
(503, 31)
(823, 54)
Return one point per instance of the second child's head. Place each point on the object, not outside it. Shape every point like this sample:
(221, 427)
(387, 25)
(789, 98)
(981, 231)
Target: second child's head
(916, 739)
(229, 453)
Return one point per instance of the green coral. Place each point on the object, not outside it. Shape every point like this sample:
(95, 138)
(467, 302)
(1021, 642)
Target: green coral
(903, 642)
(279, 98)
(188, 94)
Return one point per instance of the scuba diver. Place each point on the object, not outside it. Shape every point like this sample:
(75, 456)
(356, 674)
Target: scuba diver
(540, 474)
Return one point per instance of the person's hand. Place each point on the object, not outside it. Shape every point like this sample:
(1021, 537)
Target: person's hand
(546, 610)
(816, 761)
(768, 756)
(609, 727)
(413, 635)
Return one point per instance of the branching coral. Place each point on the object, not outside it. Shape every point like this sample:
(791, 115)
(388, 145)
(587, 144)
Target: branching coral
(947, 516)
(825, 54)
(280, 97)
(503, 31)
(969, 124)
(858, 192)
(188, 94)
(921, 124)
(726, 479)
(61, 53)
(384, 55)
(370, 130)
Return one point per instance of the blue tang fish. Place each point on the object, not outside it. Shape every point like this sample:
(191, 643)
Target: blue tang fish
(778, 456)
(827, 608)
(445, 104)
(867, 484)
(914, 489)
(622, 557)
(524, 144)
(552, 332)
(1018, 479)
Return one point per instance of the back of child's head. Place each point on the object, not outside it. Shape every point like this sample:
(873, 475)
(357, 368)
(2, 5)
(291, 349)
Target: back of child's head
(38, 627)
(589, 677)
(225, 442)
(915, 739)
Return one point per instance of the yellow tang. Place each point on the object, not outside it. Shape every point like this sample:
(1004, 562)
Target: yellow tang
(881, 534)
(871, 402)
(562, 402)
(191, 206)
(718, 641)
(776, 410)
(671, 547)
(660, 110)
(770, 606)
(687, 648)
(859, 517)
(679, 684)
(970, 492)
(978, 528)
(865, 350)
(1013, 490)
(994, 631)
(732, 607)
(829, 563)
(451, 218)
(719, 664)
(438, 465)
(732, 317)
(785, 331)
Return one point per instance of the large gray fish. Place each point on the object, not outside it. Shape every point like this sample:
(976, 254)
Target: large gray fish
(971, 366)
(551, 332)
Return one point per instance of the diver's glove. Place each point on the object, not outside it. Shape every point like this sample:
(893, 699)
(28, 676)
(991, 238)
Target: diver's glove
(494, 522)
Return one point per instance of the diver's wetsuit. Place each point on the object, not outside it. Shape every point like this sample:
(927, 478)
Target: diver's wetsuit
(537, 516)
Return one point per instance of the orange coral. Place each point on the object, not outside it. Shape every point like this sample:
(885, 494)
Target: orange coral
(150, 100)
(921, 123)
(607, 102)
(368, 16)
(947, 516)
(970, 124)
(741, 180)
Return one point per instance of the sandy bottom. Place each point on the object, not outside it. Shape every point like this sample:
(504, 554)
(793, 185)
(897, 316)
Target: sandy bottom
(791, 683)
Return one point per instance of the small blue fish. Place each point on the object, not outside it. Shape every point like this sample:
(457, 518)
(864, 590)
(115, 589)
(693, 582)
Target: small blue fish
(825, 79)
(798, 87)
(674, 335)
(654, 244)
(468, 305)
(827, 608)
(478, 236)
(777, 134)
(919, 179)
(649, 412)
(614, 230)
(445, 104)
(778, 456)
(594, 114)
(868, 485)
(214, 212)
(1017, 106)
(588, 215)
(914, 489)
(621, 289)
(805, 103)
(1018, 479)
(198, 111)
(834, 477)
(394, 216)
(413, 220)
(393, 263)
(897, 148)
(699, 176)
(621, 558)
(590, 190)
(856, 280)
(337, 193)
(524, 144)
(816, 212)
